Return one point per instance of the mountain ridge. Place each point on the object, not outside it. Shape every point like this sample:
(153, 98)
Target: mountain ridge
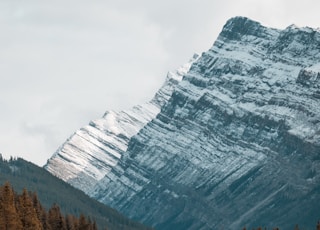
(101, 143)
(237, 143)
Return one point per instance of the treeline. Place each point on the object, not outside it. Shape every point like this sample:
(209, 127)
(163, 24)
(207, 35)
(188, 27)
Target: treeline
(25, 212)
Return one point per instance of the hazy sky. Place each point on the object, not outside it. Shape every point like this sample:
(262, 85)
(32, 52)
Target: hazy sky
(64, 62)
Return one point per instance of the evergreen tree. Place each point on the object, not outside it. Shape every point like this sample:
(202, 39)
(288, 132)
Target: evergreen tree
(27, 212)
(56, 220)
(45, 220)
(83, 224)
(94, 226)
(9, 218)
(41, 212)
(75, 222)
(71, 222)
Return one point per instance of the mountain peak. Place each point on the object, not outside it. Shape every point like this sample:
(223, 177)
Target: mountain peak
(239, 26)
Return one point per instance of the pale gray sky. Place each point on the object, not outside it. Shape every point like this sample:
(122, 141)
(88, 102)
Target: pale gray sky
(65, 62)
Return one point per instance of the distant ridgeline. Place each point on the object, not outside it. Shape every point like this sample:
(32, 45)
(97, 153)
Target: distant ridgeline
(25, 211)
(74, 205)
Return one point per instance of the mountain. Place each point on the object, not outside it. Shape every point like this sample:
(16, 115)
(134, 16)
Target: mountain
(91, 152)
(51, 190)
(236, 144)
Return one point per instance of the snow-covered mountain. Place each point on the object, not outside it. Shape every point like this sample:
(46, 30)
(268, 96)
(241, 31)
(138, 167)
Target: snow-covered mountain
(236, 143)
(90, 153)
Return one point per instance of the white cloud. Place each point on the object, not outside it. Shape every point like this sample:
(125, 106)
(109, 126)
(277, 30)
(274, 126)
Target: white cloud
(63, 63)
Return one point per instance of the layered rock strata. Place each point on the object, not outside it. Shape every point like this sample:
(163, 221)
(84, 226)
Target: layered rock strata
(238, 142)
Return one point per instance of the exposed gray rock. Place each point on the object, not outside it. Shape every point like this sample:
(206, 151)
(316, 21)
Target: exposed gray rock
(90, 153)
(238, 142)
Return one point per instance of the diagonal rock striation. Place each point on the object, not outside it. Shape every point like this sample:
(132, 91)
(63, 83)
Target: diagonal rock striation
(237, 142)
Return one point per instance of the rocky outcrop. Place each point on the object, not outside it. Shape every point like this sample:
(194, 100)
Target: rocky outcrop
(238, 142)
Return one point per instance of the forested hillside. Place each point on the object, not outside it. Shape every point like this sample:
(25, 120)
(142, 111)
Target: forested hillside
(25, 212)
(51, 190)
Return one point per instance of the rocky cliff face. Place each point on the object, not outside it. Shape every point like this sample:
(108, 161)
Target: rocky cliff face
(237, 143)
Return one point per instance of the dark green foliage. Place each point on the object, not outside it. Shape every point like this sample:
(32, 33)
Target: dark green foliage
(51, 190)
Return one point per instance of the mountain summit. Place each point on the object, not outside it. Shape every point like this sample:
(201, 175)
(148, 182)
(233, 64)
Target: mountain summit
(236, 142)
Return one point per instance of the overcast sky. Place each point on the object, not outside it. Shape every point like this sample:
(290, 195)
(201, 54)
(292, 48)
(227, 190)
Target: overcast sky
(64, 62)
